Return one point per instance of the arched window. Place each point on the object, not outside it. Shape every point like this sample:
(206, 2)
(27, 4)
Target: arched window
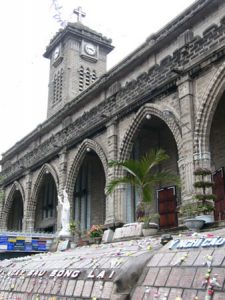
(93, 77)
(81, 79)
(57, 86)
(86, 78)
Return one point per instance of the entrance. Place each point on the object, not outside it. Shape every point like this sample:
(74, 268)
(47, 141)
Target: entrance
(46, 212)
(152, 134)
(167, 207)
(89, 197)
(15, 217)
(217, 148)
(219, 191)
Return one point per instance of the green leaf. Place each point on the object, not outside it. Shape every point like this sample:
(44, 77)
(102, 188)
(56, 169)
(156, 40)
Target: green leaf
(142, 174)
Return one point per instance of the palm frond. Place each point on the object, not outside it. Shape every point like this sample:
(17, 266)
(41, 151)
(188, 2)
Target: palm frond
(147, 193)
(142, 174)
(118, 181)
(130, 166)
(163, 177)
(154, 158)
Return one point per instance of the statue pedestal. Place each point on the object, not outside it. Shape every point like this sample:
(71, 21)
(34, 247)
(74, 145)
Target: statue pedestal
(64, 234)
(128, 231)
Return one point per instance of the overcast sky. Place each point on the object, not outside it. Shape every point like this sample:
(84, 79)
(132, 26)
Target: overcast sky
(26, 27)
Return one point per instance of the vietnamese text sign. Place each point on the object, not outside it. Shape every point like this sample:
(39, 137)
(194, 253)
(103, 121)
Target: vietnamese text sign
(197, 243)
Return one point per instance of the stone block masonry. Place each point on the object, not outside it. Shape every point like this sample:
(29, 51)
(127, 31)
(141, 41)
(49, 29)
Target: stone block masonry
(139, 269)
(185, 274)
(83, 273)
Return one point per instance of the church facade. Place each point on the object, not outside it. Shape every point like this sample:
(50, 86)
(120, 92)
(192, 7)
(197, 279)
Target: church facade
(169, 93)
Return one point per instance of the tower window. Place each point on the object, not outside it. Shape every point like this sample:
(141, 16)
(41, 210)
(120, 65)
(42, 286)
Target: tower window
(57, 86)
(86, 78)
(93, 76)
(81, 79)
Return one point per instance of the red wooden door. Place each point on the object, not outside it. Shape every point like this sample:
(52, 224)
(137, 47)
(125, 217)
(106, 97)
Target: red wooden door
(219, 191)
(167, 207)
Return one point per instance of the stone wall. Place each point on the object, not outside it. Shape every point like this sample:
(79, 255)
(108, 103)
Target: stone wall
(186, 79)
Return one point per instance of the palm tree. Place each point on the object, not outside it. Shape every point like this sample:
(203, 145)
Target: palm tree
(142, 174)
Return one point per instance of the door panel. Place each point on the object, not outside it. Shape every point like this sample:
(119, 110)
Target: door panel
(167, 207)
(219, 191)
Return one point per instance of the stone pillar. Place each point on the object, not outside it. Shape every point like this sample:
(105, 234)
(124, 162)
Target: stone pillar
(120, 204)
(2, 203)
(187, 179)
(28, 218)
(186, 161)
(62, 182)
(112, 142)
(202, 158)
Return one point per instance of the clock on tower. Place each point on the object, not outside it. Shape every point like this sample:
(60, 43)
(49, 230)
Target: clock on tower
(78, 57)
(90, 49)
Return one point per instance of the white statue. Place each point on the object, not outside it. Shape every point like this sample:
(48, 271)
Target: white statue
(65, 214)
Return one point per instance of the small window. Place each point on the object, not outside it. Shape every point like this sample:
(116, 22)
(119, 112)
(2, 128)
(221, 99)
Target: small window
(81, 79)
(57, 86)
(86, 78)
(93, 77)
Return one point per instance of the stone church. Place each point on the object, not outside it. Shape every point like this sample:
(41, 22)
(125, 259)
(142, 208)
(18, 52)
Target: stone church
(168, 93)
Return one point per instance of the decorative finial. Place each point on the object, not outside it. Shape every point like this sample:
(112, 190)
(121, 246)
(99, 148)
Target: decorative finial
(78, 11)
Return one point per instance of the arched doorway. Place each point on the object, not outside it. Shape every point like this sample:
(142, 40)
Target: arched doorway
(89, 196)
(153, 133)
(15, 216)
(217, 149)
(46, 215)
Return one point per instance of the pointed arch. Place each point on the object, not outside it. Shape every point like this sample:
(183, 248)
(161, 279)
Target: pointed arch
(132, 131)
(9, 200)
(211, 98)
(138, 127)
(46, 168)
(82, 150)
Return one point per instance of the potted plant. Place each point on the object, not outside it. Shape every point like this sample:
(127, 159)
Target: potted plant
(95, 233)
(203, 196)
(150, 224)
(74, 228)
(189, 212)
(142, 175)
(199, 211)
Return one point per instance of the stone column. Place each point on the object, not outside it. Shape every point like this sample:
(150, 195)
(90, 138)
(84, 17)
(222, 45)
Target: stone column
(202, 158)
(2, 203)
(28, 219)
(62, 182)
(120, 204)
(186, 161)
(112, 143)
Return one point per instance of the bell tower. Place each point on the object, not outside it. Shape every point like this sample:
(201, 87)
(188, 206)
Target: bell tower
(78, 57)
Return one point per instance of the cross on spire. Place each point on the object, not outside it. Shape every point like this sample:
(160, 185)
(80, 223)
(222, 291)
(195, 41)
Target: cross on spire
(78, 11)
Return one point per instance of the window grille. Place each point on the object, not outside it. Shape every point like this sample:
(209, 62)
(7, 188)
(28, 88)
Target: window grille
(86, 78)
(57, 86)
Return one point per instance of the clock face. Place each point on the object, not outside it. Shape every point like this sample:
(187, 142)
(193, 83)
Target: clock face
(56, 52)
(90, 49)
